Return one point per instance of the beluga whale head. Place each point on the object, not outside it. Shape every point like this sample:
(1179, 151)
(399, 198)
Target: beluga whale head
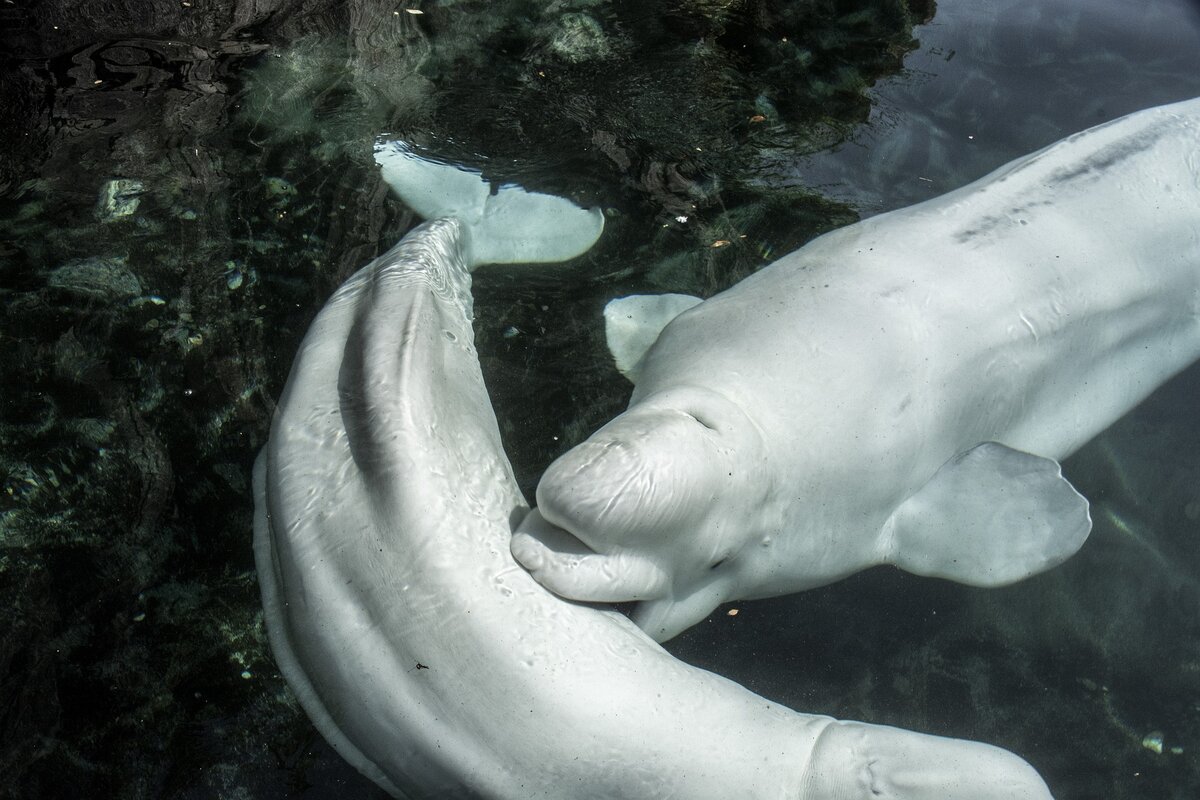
(641, 510)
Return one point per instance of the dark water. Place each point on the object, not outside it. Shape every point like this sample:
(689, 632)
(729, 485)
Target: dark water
(182, 184)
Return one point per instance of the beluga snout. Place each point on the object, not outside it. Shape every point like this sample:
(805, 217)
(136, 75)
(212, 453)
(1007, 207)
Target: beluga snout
(646, 492)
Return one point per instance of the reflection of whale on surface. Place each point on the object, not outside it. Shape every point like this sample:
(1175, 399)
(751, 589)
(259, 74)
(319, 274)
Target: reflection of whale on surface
(436, 665)
(875, 397)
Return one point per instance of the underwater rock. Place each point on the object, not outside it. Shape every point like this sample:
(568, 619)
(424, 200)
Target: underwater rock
(119, 198)
(578, 38)
(99, 278)
(279, 190)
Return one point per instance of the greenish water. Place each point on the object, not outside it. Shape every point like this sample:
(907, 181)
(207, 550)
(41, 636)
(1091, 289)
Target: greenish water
(183, 184)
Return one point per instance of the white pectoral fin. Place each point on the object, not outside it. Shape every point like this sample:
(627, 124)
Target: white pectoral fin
(504, 225)
(570, 569)
(988, 517)
(632, 324)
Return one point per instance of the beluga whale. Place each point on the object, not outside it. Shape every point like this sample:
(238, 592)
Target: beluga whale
(899, 391)
(420, 649)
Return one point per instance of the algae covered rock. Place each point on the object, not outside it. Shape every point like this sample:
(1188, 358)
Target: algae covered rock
(98, 278)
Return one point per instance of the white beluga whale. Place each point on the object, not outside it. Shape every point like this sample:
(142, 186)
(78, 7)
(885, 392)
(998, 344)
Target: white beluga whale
(898, 391)
(424, 653)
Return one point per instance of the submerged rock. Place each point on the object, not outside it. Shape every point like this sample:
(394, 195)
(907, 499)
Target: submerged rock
(99, 278)
(578, 38)
(119, 198)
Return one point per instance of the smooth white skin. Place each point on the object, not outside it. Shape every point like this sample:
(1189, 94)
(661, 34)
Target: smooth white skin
(776, 427)
(384, 509)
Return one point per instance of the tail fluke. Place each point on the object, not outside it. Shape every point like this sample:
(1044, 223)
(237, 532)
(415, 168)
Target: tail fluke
(505, 225)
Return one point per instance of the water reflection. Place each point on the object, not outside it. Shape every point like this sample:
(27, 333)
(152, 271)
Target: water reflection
(993, 80)
(144, 346)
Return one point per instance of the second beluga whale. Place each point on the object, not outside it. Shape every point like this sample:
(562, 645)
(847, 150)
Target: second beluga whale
(384, 506)
(898, 391)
